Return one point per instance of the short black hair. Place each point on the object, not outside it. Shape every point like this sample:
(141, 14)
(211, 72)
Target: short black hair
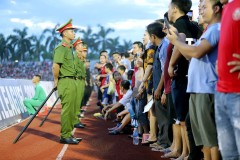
(160, 21)
(130, 74)
(219, 4)
(116, 53)
(125, 84)
(126, 54)
(109, 66)
(115, 73)
(122, 67)
(103, 51)
(37, 75)
(156, 29)
(183, 5)
(140, 44)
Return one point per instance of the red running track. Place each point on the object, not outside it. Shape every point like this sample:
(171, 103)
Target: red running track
(42, 143)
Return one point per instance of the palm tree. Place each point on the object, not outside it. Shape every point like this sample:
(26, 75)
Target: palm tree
(89, 39)
(3, 45)
(20, 44)
(37, 49)
(113, 44)
(127, 45)
(102, 37)
(52, 40)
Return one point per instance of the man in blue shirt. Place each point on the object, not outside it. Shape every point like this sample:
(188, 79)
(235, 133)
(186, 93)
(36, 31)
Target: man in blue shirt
(157, 37)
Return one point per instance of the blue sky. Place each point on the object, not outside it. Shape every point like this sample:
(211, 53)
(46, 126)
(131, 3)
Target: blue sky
(128, 17)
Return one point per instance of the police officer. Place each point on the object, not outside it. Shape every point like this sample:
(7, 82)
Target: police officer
(81, 75)
(64, 74)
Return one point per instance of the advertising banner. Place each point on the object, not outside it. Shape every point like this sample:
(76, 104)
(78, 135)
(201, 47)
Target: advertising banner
(12, 94)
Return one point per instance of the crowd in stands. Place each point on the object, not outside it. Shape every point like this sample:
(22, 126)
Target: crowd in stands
(26, 70)
(176, 68)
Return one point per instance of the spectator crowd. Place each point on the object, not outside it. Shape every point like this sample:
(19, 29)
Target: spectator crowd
(26, 70)
(189, 73)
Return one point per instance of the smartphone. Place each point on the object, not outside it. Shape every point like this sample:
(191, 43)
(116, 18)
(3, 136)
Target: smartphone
(190, 15)
(167, 24)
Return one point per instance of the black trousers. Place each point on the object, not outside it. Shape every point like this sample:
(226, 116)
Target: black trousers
(87, 94)
(162, 114)
(195, 151)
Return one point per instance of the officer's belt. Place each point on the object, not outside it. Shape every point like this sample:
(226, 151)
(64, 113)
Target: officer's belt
(70, 77)
(73, 77)
(80, 78)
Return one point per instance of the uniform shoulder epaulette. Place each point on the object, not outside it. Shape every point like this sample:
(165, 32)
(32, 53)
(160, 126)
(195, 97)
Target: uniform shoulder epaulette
(64, 44)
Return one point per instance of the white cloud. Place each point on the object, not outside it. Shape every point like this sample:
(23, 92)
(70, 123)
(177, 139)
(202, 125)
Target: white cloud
(74, 2)
(32, 24)
(46, 24)
(13, 2)
(147, 3)
(26, 22)
(129, 24)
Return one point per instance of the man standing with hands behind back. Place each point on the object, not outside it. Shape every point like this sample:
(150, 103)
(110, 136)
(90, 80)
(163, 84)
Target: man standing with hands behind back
(64, 74)
(79, 59)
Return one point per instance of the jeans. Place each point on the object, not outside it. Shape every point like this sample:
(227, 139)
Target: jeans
(138, 107)
(227, 116)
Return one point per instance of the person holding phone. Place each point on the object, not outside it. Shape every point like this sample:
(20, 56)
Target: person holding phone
(202, 79)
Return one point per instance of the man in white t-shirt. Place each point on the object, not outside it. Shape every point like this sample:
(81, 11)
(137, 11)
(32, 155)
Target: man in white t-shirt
(127, 94)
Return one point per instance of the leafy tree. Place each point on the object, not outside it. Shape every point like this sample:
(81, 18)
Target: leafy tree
(19, 43)
(89, 39)
(20, 46)
(113, 45)
(37, 49)
(52, 40)
(3, 45)
(101, 37)
(127, 45)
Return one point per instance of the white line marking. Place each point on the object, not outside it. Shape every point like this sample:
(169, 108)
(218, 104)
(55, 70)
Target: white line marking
(61, 154)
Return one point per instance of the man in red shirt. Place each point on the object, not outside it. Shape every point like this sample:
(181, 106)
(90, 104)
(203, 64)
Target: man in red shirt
(227, 99)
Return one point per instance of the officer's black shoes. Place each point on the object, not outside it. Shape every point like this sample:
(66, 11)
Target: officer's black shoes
(83, 124)
(69, 140)
(78, 139)
(79, 125)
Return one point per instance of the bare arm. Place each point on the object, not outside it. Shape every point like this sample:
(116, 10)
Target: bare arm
(147, 73)
(235, 64)
(145, 77)
(157, 93)
(115, 106)
(98, 65)
(123, 113)
(190, 51)
(175, 56)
